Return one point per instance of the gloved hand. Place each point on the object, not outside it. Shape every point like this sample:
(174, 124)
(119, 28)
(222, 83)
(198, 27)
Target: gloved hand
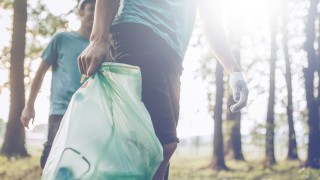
(240, 91)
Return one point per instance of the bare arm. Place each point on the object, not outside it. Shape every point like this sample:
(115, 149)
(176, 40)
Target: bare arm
(210, 11)
(211, 16)
(28, 111)
(98, 49)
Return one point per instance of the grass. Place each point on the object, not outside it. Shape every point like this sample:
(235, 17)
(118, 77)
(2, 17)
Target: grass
(196, 168)
(182, 168)
(14, 169)
(185, 165)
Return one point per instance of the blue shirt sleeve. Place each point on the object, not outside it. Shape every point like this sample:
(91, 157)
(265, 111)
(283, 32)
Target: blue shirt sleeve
(50, 54)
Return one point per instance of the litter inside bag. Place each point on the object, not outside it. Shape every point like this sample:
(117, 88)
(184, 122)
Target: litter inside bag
(106, 132)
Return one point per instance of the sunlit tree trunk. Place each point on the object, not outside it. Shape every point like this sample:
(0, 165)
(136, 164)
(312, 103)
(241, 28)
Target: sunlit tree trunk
(14, 142)
(292, 143)
(218, 153)
(270, 157)
(313, 159)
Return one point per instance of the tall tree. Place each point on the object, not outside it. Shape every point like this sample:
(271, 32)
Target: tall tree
(218, 153)
(270, 157)
(14, 142)
(292, 143)
(236, 31)
(42, 23)
(313, 159)
(234, 119)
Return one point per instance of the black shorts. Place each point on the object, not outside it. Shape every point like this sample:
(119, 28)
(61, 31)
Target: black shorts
(161, 69)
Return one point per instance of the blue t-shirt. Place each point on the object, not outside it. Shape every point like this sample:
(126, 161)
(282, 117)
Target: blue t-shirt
(172, 20)
(62, 53)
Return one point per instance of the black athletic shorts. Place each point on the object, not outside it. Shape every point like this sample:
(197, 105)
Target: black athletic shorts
(161, 69)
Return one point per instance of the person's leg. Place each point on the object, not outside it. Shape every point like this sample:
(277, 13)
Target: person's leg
(166, 175)
(168, 150)
(53, 126)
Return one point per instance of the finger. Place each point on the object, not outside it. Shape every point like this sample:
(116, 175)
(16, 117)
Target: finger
(241, 103)
(236, 95)
(87, 65)
(84, 64)
(92, 68)
(80, 67)
(23, 121)
(26, 122)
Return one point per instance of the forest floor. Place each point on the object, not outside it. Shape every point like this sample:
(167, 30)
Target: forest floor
(182, 168)
(186, 164)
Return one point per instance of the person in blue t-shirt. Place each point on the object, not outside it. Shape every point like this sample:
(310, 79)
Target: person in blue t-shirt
(61, 54)
(154, 35)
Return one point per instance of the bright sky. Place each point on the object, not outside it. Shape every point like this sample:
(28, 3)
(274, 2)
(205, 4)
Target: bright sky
(194, 117)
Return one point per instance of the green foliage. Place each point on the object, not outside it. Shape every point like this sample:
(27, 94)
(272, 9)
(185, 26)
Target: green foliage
(43, 23)
(2, 128)
(6, 4)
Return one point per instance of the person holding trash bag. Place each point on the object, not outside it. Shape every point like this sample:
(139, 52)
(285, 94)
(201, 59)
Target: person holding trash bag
(61, 53)
(154, 35)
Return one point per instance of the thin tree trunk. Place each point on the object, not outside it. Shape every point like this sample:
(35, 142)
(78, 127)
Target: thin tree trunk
(292, 143)
(218, 153)
(313, 159)
(235, 139)
(14, 142)
(235, 119)
(270, 157)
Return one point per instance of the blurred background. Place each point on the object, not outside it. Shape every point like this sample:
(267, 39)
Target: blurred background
(277, 136)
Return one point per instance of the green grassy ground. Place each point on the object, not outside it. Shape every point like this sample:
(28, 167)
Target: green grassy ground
(196, 168)
(186, 164)
(182, 168)
(19, 169)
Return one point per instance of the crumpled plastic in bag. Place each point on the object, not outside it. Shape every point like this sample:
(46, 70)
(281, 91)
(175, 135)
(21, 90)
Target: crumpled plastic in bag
(106, 132)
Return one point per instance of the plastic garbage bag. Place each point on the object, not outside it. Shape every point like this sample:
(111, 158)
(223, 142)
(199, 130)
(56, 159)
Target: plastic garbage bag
(106, 132)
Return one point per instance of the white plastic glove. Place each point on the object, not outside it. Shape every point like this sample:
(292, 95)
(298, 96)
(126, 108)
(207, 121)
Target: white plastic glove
(240, 91)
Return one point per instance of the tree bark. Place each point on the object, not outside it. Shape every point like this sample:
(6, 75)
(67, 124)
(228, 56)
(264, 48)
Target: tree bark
(235, 139)
(235, 119)
(270, 157)
(218, 153)
(313, 159)
(292, 143)
(14, 142)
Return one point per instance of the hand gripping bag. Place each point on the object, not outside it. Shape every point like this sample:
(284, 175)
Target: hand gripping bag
(106, 132)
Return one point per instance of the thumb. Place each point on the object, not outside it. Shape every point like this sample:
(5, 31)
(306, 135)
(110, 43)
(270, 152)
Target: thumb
(236, 94)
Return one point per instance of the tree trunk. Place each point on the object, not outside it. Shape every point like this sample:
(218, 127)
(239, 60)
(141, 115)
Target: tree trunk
(313, 159)
(235, 119)
(235, 139)
(292, 143)
(14, 142)
(270, 158)
(218, 154)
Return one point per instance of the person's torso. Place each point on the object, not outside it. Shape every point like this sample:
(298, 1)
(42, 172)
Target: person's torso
(172, 20)
(65, 74)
